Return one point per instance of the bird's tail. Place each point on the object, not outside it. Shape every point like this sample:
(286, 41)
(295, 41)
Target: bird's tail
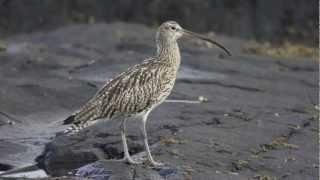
(75, 126)
(77, 123)
(69, 120)
(87, 116)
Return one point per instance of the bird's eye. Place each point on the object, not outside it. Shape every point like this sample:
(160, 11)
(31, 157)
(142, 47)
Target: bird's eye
(173, 28)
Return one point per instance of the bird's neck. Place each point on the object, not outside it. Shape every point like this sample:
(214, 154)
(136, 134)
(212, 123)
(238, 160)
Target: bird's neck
(169, 52)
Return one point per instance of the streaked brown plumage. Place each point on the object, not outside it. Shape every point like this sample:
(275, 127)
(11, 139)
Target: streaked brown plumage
(131, 92)
(135, 92)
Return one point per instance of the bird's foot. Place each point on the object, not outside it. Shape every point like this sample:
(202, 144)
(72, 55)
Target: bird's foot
(155, 163)
(131, 161)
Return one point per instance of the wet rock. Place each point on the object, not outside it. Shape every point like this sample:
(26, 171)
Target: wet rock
(5, 167)
(66, 153)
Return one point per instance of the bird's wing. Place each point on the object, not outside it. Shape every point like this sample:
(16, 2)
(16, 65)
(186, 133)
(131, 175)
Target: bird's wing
(132, 91)
(136, 90)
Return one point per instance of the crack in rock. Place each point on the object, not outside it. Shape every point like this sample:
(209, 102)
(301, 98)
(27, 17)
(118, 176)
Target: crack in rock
(204, 81)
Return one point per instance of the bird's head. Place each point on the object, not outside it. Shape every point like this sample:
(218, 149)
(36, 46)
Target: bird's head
(172, 31)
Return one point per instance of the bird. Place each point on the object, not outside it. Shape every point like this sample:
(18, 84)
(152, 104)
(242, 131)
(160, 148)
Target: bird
(135, 92)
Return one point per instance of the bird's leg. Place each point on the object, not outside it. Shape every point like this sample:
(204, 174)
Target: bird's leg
(124, 143)
(145, 139)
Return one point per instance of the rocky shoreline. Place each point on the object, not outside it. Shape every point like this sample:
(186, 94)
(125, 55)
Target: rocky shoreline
(259, 121)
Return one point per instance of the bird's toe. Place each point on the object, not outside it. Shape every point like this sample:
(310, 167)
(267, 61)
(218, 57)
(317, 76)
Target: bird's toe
(131, 161)
(156, 164)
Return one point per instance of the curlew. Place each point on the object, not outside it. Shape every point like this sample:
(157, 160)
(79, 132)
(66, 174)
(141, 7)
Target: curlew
(137, 91)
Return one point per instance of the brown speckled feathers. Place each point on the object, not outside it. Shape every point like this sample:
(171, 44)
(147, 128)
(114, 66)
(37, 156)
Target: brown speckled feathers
(135, 92)
(142, 87)
(131, 92)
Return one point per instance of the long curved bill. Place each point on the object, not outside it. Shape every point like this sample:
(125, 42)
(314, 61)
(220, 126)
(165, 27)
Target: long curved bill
(202, 37)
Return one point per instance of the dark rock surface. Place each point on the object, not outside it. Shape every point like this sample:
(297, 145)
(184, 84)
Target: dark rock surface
(119, 170)
(259, 120)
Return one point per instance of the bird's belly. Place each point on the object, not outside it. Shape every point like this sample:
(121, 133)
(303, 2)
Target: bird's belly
(163, 95)
(147, 105)
(142, 113)
(159, 100)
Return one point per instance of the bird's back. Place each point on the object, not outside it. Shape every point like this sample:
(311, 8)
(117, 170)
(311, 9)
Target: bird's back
(134, 91)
